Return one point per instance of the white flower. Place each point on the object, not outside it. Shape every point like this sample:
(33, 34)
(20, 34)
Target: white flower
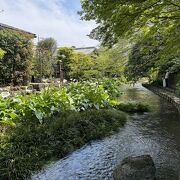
(5, 94)
(64, 81)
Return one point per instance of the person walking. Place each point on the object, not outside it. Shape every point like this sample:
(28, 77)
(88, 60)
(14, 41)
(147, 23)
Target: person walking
(164, 82)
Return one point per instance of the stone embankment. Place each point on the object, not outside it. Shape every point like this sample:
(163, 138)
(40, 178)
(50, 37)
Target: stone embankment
(166, 94)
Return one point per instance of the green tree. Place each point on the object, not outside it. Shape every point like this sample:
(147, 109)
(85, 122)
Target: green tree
(45, 57)
(153, 25)
(65, 55)
(104, 62)
(142, 60)
(111, 62)
(146, 60)
(15, 66)
(124, 17)
(76, 65)
(81, 66)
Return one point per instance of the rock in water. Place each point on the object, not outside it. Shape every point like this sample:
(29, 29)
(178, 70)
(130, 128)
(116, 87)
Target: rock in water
(135, 168)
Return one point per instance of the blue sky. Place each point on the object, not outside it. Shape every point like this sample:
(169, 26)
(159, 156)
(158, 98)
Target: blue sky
(49, 18)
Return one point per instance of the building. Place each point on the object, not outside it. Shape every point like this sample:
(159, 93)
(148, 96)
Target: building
(5, 26)
(85, 50)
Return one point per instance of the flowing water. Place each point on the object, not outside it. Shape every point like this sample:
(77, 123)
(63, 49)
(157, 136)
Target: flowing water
(156, 133)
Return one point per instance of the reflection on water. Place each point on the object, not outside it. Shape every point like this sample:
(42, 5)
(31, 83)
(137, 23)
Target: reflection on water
(156, 133)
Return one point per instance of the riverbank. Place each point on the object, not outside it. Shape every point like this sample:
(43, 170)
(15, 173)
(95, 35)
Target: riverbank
(28, 148)
(37, 129)
(166, 94)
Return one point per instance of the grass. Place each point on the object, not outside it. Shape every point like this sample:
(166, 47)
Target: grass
(27, 148)
(133, 107)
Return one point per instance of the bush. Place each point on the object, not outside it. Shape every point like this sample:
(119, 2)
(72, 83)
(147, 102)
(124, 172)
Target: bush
(112, 86)
(38, 108)
(27, 148)
(133, 107)
(89, 95)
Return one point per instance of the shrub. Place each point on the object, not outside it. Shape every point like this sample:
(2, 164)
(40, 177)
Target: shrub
(27, 148)
(112, 86)
(38, 108)
(133, 107)
(88, 95)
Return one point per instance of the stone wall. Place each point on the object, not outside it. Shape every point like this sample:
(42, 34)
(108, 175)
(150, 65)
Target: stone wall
(173, 79)
(169, 96)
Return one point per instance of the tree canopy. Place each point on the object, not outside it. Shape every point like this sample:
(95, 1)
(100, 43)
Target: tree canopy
(45, 57)
(112, 62)
(65, 55)
(153, 25)
(81, 66)
(15, 65)
(104, 62)
(126, 17)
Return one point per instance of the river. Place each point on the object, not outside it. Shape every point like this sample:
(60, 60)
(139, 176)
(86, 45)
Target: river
(156, 133)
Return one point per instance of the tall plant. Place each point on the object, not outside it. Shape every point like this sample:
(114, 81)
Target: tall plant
(65, 55)
(15, 66)
(45, 57)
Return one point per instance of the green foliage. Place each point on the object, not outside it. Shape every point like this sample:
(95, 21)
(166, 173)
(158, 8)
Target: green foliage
(142, 61)
(152, 25)
(157, 82)
(110, 63)
(45, 58)
(146, 60)
(112, 86)
(7, 113)
(76, 65)
(118, 18)
(105, 62)
(65, 55)
(2, 53)
(27, 148)
(39, 128)
(81, 66)
(107, 66)
(15, 66)
(89, 95)
(133, 107)
(38, 108)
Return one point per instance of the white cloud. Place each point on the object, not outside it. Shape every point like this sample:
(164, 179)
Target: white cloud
(48, 18)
